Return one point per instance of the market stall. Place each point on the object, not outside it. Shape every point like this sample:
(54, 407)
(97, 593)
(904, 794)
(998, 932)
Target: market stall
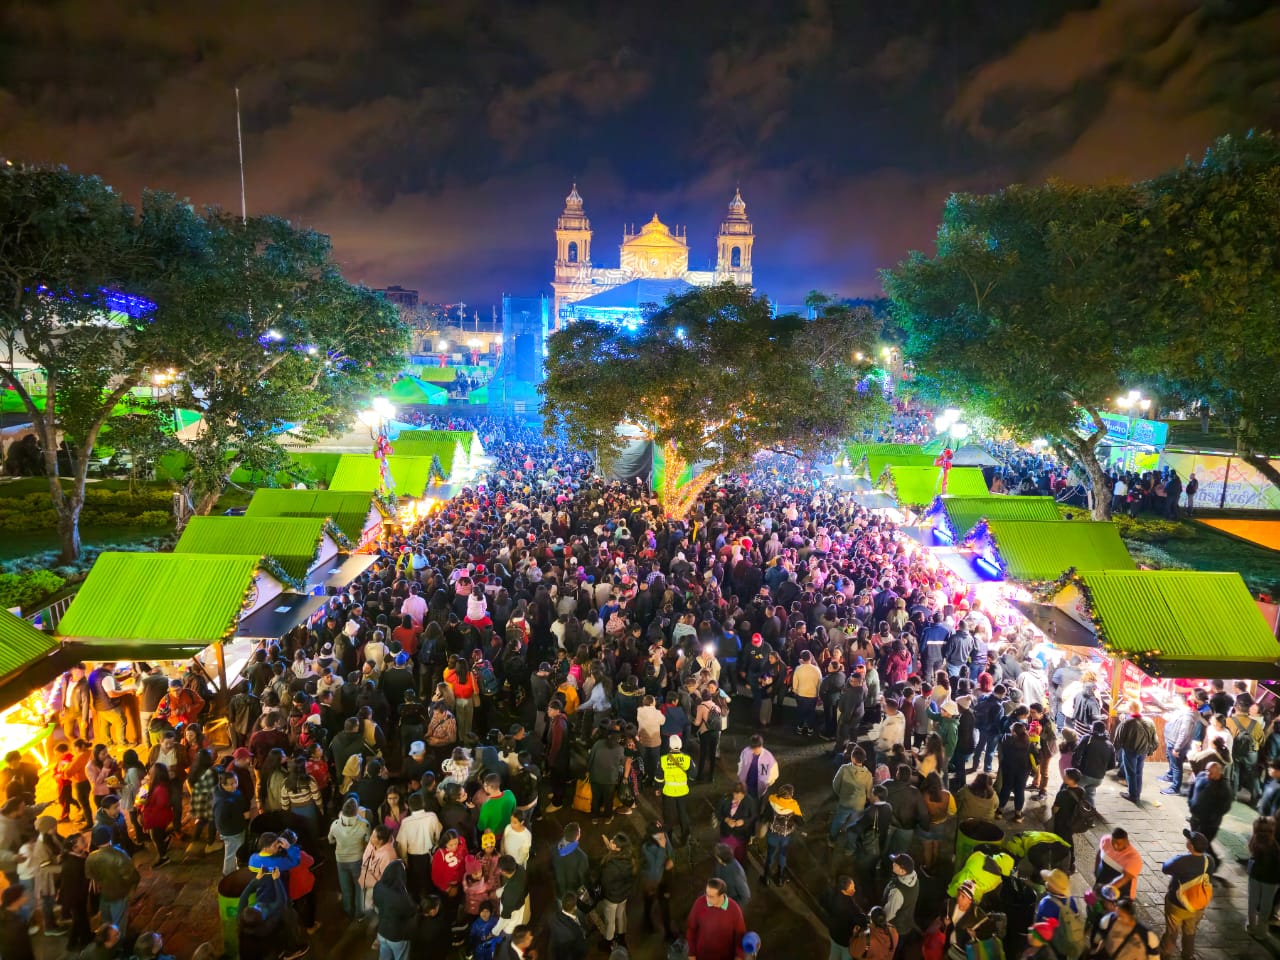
(919, 486)
(954, 517)
(357, 515)
(30, 661)
(292, 548)
(1038, 550)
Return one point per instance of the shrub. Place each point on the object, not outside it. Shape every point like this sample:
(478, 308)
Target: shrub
(1145, 555)
(27, 590)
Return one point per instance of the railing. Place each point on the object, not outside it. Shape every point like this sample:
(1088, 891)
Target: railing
(47, 618)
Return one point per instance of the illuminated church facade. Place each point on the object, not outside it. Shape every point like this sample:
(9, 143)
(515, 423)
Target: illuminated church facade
(653, 262)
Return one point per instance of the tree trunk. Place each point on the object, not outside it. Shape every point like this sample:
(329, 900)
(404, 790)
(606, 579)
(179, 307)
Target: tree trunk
(206, 502)
(678, 501)
(1204, 417)
(1085, 450)
(69, 529)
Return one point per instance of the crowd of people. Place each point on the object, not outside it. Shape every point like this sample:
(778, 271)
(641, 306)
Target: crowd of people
(549, 654)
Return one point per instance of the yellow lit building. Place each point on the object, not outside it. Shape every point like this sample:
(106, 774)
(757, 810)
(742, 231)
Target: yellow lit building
(652, 262)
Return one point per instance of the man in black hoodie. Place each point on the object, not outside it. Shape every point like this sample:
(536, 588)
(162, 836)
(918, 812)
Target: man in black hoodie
(570, 866)
(397, 913)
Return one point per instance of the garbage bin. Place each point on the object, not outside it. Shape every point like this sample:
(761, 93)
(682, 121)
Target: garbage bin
(971, 833)
(229, 915)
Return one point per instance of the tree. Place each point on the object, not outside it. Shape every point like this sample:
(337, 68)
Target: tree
(1022, 314)
(713, 378)
(68, 246)
(1214, 308)
(275, 341)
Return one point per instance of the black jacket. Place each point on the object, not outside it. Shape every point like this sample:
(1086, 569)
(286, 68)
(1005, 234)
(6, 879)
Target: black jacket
(397, 913)
(1209, 802)
(571, 871)
(515, 889)
(843, 915)
(1094, 756)
(567, 937)
(617, 879)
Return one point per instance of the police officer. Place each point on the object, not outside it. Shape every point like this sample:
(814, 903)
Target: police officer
(674, 772)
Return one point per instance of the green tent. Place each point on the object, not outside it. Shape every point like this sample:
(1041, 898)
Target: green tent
(1046, 549)
(413, 391)
(1177, 623)
(917, 486)
(351, 512)
(956, 516)
(292, 542)
(877, 463)
(161, 605)
(361, 471)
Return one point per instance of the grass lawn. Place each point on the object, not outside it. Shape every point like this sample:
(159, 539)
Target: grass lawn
(21, 486)
(1210, 549)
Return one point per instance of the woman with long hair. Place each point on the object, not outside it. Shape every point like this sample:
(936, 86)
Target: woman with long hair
(392, 810)
(1264, 874)
(157, 811)
(201, 779)
(301, 795)
(942, 808)
(932, 756)
(463, 685)
(271, 781)
(977, 800)
(1015, 767)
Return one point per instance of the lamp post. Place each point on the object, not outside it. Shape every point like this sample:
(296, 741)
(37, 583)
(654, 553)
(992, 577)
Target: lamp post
(163, 382)
(948, 423)
(1135, 407)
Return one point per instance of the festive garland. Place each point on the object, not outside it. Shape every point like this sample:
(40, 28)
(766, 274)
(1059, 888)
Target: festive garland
(1146, 660)
(1043, 591)
(272, 566)
(337, 536)
(250, 593)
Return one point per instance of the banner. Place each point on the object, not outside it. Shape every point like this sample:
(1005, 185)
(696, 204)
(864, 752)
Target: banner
(1245, 487)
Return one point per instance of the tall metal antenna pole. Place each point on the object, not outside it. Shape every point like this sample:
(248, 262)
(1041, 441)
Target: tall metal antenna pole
(244, 210)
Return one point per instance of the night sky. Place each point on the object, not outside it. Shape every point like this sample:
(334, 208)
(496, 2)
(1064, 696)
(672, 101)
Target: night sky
(436, 141)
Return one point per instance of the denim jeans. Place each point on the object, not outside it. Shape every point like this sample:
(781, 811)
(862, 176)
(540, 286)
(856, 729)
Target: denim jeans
(116, 913)
(806, 712)
(1176, 760)
(229, 847)
(349, 882)
(987, 744)
(1132, 764)
(841, 819)
(1262, 896)
(776, 851)
(1090, 786)
(392, 949)
(838, 951)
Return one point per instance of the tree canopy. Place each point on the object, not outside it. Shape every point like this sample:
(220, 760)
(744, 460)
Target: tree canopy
(249, 323)
(1022, 314)
(714, 378)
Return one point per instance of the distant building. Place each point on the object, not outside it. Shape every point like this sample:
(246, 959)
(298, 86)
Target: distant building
(401, 297)
(652, 263)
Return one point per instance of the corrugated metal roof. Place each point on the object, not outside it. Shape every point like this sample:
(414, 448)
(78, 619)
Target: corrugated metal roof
(919, 485)
(963, 513)
(467, 438)
(20, 643)
(447, 450)
(360, 471)
(857, 451)
(188, 599)
(417, 392)
(348, 510)
(292, 541)
(878, 462)
(1045, 549)
(1180, 621)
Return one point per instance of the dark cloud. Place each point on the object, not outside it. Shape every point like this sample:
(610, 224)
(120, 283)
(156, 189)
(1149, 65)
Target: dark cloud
(436, 141)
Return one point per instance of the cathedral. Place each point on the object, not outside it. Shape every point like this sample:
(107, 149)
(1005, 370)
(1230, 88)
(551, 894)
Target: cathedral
(653, 262)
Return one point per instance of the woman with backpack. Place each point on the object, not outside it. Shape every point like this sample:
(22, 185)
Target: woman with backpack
(708, 722)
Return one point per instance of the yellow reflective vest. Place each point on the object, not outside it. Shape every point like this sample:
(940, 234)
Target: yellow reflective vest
(675, 775)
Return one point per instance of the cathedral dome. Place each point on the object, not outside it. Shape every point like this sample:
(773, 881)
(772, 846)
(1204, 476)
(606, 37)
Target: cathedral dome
(574, 200)
(656, 226)
(737, 206)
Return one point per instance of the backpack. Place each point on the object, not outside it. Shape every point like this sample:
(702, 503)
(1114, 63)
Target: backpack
(1085, 813)
(488, 682)
(1243, 748)
(1069, 937)
(715, 720)
(1196, 893)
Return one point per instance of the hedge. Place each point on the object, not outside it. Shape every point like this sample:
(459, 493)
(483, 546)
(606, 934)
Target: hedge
(26, 590)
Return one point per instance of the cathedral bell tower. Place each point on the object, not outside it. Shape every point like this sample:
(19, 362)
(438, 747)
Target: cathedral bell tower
(733, 245)
(573, 251)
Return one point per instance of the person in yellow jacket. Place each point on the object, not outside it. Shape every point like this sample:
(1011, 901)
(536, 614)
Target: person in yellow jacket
(674, 771)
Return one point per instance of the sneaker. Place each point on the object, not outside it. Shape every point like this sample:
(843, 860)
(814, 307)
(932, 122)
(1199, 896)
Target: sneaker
(1170, 792)
(1165, 777)
(55, 932)
(214, 847)
(552, 807)
(1017, 817)
(302, 951)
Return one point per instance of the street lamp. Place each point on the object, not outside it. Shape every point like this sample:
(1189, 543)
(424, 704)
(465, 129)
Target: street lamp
(377, 418)
(1134, 406)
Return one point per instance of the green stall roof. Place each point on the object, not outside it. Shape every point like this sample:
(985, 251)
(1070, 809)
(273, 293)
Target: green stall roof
(857, 452)
(448, 451)
(21, 643)
(877, 463)
(361, 471)
(963, 513)
(293, 542)
(348, 510)
(919, 485)
(1046, 549)
(1183, 623)
(163, 603)
(469, 440)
